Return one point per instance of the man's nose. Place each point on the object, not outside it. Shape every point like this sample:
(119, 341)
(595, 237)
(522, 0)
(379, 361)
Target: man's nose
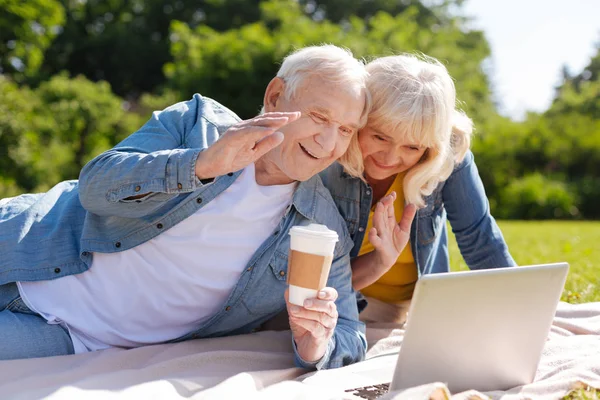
(327, 139)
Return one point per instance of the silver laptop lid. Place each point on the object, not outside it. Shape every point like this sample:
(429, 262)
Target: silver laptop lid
(482, 330)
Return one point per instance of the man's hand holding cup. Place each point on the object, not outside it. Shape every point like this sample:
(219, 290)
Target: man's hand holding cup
(310, 304)
(313, 324)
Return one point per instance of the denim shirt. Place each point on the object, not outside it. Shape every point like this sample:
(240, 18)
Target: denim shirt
(460, 199)
(54, 234)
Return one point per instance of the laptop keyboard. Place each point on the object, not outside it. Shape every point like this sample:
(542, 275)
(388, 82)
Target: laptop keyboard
(370, 392)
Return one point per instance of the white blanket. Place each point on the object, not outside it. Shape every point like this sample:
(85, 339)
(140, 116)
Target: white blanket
(260, 366)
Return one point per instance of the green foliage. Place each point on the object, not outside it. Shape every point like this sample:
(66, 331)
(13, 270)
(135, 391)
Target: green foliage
(48, 134)
(535, 242)
(235, 66)
(17, 111)
(27, 28)
(122, 42)
(153, 54)
(537, 197)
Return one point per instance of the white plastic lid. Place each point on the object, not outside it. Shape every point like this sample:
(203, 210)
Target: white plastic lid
(314, 230)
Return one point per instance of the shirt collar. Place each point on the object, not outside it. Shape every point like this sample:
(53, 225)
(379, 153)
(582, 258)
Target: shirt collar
(305, 197)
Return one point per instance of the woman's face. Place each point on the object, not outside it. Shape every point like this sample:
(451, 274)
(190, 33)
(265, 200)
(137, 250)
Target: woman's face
(387, 153)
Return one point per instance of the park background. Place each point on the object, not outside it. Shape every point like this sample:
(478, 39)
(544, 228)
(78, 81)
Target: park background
(78, 76)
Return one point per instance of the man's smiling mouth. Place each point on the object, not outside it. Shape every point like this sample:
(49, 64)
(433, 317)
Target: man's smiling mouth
(307, 152)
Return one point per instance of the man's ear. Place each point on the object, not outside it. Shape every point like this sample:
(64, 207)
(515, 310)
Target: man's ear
(274, 94)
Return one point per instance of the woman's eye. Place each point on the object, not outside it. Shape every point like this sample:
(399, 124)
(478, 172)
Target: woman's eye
(378, 137)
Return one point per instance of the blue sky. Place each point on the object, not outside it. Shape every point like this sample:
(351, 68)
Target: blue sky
(530, 41)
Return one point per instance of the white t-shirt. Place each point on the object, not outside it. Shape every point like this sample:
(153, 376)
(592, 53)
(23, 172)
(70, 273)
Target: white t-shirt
(169, 285)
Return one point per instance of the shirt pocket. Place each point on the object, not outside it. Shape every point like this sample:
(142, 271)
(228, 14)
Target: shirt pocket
(267, 292)
(429, 226)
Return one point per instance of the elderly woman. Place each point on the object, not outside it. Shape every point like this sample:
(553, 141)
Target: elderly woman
(415, 160)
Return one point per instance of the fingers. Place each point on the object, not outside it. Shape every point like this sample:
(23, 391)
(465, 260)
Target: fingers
(316, 329)
(272, 120)
(256, 130)
(328, 293)
(315, 312)
(407, 217)
(389, 206)
(379, 218)
(319, 316)
(267, 144)
(389, 199)
(375, 239)
(402, 230)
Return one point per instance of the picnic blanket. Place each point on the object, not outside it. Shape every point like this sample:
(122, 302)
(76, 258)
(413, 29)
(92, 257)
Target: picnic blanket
(260, 366)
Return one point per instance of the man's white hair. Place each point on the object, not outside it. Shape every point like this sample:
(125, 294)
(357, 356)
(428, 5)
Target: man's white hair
(415, 95)
(328, 62)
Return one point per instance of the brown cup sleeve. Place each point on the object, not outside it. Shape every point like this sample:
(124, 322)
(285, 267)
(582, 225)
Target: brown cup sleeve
(309, 271)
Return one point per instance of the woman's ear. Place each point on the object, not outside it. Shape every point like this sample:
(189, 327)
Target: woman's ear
(274, 94)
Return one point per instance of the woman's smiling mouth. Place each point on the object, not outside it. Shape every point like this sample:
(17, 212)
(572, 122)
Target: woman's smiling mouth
(382, 166)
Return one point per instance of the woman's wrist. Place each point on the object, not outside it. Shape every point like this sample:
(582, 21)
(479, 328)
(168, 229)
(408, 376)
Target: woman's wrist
(381, 263)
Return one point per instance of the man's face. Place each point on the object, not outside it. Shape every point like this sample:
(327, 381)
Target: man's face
(330, 117)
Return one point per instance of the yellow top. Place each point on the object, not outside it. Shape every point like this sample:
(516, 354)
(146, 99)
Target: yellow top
(399, 282)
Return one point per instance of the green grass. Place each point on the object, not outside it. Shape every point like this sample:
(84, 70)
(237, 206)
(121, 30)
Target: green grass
(537, 242)
(583, 393)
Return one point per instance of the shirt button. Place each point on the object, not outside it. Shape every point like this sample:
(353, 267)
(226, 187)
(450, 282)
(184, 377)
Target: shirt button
(199, 200)
(179, 186)
(227, 308)
(85, 254)
(230, 174)
(249, 269)
(57, 270)
(275, 233)
(138, 188)
(361, 229)
(368, 192)
(159, 226)
(118, 244)
(281, 273)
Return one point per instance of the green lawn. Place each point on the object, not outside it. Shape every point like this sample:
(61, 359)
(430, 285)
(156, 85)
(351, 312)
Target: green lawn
(536, 242)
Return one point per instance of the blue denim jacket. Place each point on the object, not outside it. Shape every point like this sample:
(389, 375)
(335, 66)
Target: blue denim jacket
(461, 199)
(51, 235)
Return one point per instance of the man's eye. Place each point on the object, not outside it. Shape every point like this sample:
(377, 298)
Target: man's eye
(346, 131)
(319, 117)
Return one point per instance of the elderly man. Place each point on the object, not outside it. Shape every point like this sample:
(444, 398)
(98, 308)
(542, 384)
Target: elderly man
(181, 231)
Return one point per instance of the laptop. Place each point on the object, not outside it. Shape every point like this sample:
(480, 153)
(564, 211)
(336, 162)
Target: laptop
(482, 330)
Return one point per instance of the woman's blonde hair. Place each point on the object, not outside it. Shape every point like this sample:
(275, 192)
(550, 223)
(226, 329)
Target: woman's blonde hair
(415, 95)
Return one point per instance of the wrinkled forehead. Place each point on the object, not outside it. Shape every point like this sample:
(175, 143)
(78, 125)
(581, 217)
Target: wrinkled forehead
(343, 106)
(345, 103)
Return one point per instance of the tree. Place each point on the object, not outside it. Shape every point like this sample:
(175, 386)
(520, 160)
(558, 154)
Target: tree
(126, 42)
(48, 134)
(235, 66)
(27, 28)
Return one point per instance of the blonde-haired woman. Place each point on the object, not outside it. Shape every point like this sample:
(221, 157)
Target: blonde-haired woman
(415, 160)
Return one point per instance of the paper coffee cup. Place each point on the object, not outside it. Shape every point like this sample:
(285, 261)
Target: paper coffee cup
(311, 252)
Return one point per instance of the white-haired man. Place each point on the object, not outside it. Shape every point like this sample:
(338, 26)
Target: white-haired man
(181, 230)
